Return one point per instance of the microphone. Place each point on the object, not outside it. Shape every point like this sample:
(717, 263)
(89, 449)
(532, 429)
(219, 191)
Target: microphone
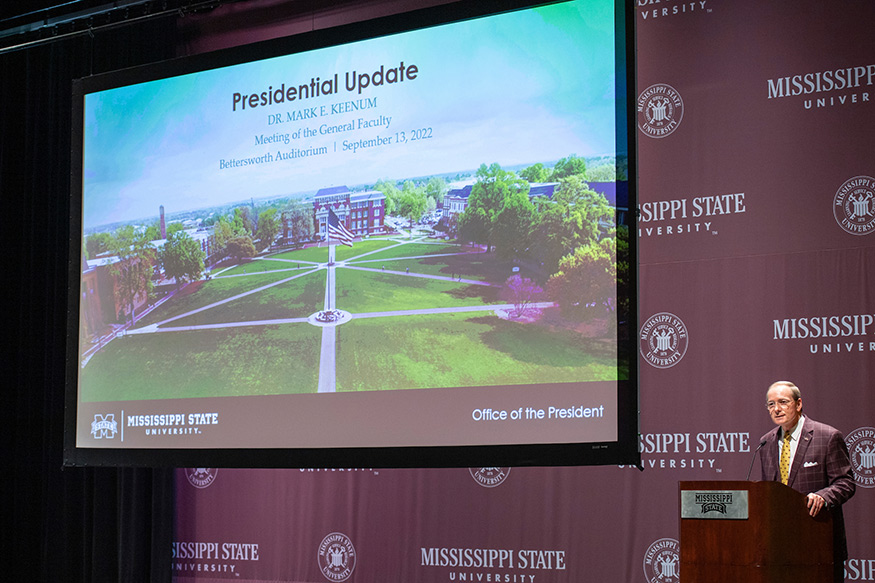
(755, 452)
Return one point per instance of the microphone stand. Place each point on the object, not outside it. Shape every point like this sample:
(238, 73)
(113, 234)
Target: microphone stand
(756, 451)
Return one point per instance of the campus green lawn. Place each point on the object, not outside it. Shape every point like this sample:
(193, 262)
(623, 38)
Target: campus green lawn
(366, 291)
(317, 254)
(267, 360)
(261, 266)
(414, 250)
(202, 293)
(344, 253)
(296, 298)
(454, 350)
(469, 266)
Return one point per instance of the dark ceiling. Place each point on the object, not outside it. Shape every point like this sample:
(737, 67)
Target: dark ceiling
(27, 15)
(26, 23)
(37, 9)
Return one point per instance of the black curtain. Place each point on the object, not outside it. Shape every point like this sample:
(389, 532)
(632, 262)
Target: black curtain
(61, 524)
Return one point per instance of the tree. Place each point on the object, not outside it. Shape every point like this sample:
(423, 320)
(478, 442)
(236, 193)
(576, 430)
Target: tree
(522, 292)
(97, 244)
(535, 173)
(183, 258)
(222, 233)
(268, 229)
(298, 219)
(513, 226)
(436, 189)
(494, 185)
(568, 167)
(603, 173)
(548, 240)
(570, 221)
(391, 192)
(174, 227)
(473, 225)
(588, 210)
(133, 270)
(244, 220)
(575, 193)
(589, 275)
(412, 202)
(153, 231)
(240, 247)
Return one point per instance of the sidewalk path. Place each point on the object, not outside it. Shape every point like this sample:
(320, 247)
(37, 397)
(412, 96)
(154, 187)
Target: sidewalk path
(489, 308)
(328, 352)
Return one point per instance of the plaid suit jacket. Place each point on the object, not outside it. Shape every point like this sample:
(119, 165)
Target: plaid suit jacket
(821, 466)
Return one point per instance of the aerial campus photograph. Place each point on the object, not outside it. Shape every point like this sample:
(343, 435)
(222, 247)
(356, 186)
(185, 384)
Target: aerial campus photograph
(410, 236)
(489, 277)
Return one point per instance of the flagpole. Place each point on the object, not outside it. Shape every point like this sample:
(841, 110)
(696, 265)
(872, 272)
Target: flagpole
(330, 258)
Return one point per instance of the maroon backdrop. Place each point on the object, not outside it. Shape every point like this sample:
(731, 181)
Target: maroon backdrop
(757, 195)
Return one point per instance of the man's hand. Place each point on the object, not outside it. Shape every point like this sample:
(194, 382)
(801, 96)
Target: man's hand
(815, 504)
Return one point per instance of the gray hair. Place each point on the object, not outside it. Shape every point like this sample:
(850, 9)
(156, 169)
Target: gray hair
(797, 394)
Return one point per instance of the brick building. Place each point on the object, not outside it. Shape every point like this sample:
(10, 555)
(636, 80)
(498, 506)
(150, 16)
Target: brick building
(363, 213)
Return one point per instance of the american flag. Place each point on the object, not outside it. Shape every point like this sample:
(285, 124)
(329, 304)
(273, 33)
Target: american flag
(337, 230)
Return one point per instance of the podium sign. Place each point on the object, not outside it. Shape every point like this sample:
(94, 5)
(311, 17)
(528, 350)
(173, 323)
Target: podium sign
(734, 531)
(714, 504)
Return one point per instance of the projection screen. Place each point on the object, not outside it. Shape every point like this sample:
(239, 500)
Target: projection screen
(398, 243)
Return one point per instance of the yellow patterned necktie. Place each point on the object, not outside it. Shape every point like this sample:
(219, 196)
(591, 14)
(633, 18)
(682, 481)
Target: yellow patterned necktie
(785, 458)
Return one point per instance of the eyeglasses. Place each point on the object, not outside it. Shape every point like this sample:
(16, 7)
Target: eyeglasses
(782, 403)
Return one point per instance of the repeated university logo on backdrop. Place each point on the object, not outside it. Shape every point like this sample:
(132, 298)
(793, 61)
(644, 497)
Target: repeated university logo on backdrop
(496, 565)
(675, 450)
(650, 10)
(663, 340)
(828, 334)
(201, 477)
(660, 110)
(854, 205)
(839, 87)
(662, 561)
(698, 215)
(489, 477)
(860, 569)
(861, 447)
(336, 557)
(193, 558)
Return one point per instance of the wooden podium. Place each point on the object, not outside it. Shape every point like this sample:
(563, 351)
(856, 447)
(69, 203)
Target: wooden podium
(751, 532)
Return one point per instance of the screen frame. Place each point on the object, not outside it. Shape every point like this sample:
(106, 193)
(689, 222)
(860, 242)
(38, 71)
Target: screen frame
(624, 451)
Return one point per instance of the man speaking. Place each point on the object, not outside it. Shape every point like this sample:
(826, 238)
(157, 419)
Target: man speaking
(811, 458)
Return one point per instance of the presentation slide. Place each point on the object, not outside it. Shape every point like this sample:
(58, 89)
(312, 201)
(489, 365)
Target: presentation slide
(408, 240)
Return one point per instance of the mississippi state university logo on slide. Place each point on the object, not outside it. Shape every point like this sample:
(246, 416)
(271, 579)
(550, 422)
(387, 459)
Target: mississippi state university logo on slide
(660, 110)
(201, 477)
(854, 205)
(663, 340)
(861, 447)
(104, 426)
(662, 561)
(336, 557)
(489, 477)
